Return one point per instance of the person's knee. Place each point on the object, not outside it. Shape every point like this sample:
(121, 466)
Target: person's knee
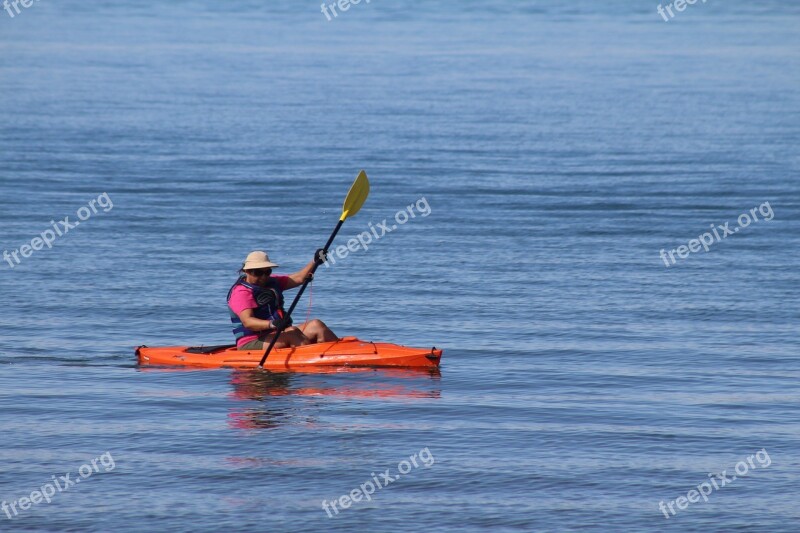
(298, 338)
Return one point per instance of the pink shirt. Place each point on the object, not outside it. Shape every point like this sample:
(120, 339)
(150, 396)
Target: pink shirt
(242, 298)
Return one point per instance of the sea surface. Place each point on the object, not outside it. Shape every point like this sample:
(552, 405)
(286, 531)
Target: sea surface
(549, 152)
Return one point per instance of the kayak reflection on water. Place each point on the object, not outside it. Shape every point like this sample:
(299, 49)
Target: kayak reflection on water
(256, 305)
(268, 387)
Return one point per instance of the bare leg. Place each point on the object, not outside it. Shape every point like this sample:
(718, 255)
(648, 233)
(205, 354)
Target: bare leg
(291, 336)
(317, 331)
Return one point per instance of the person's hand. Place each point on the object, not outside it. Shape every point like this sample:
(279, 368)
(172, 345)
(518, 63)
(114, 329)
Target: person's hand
(282, 323)
(320, 256)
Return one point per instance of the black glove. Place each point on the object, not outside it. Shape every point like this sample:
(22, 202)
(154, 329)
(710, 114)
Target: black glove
(320, 256)
(282, 323)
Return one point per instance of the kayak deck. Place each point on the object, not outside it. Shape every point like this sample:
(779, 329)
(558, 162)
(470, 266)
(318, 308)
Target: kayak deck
(348, 351)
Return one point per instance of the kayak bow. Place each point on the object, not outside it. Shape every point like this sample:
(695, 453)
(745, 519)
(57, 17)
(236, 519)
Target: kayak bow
(348, 351)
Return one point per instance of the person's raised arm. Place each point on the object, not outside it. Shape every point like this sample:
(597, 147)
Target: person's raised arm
(297, 279)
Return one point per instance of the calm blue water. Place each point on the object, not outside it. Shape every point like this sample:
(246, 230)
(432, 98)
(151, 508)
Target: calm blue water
(560, 146)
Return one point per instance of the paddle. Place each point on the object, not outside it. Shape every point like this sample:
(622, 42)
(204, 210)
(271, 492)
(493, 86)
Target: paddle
(352, 203)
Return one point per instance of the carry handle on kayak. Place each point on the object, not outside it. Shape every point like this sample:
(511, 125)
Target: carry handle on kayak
(355, 198)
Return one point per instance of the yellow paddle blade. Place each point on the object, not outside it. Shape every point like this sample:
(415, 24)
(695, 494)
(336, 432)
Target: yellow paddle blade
(356, 196)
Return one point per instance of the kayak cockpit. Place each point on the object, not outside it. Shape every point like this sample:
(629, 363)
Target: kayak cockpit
(209, 349)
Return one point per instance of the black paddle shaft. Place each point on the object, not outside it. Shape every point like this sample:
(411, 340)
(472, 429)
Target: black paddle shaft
(300, 293)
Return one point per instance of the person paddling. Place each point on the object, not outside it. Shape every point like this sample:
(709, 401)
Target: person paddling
(255, 302)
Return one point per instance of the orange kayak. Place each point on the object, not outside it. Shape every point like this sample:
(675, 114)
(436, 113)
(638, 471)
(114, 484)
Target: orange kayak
(348, 351)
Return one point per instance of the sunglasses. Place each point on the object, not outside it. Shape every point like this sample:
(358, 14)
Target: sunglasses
(261, 272)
